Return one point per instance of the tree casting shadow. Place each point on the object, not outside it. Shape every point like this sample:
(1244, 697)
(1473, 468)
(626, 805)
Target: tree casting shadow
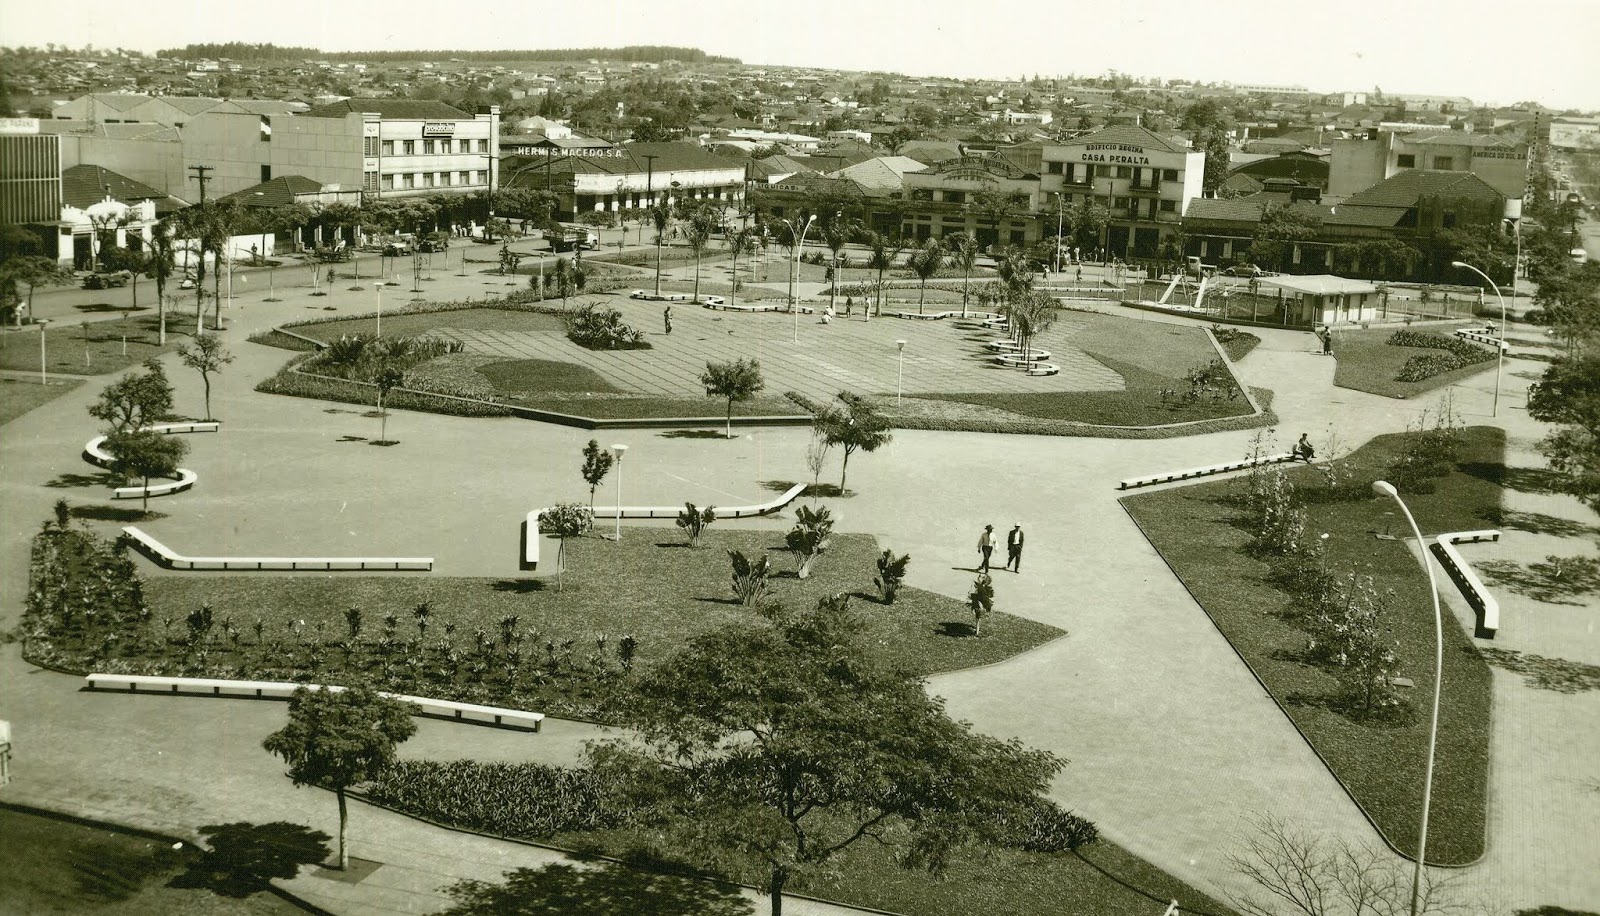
(68, 481)
(692, 434)
(1556, 674)
(114, 514)
(605, 889)
(519, 586)
(1540, 523)
(1553, 580)
(245, 857)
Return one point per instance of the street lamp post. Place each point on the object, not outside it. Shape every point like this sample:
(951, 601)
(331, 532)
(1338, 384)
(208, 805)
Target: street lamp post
(1384, 488)
(43, 376)
(794, 268)
(1501, 365)
(377, 292)
(619, 451)
(900, 378)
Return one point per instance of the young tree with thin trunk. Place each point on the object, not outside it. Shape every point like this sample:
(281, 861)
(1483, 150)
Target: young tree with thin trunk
(697, 235)
(858, 427)
(340, 739)
(597, 464)
(735, 381)
(141, 455)
(387, 379)
(963, 254)
(136, 400)
(206, 355)
(661, 216)
(880, 258)
(837, 233)
(567, 520)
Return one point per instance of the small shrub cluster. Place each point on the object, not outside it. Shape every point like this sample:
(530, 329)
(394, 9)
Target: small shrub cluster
(524, 800)
(1235, 343)
(599, 328)
(1457, 353)
(84, 595)
(362, 356)
(465, 402)
(1430, 451)
(1211, 381)
(1043, 826)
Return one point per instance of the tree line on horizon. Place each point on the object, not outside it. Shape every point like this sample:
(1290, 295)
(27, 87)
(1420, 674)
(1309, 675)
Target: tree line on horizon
(239, 50)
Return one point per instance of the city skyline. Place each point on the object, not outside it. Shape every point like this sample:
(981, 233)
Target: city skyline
(1401, 49)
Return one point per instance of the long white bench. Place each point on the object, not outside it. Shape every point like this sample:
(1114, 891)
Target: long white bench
(1170, 476)
(95, 453)
(531, 533)
(659, 297)
(940, 316)
(283, 690)
(1483, 336)
(166, 557)
(1472, 588)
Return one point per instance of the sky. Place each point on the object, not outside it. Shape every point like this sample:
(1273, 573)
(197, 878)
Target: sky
(1499, 51)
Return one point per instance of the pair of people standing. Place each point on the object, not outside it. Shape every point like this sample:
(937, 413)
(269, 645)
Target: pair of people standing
(986, 544)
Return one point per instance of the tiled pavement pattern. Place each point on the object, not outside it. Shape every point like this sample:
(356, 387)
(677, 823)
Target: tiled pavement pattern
(946, 355)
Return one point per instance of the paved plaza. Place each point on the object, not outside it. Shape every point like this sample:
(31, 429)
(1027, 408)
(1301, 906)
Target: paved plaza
(1211, 746)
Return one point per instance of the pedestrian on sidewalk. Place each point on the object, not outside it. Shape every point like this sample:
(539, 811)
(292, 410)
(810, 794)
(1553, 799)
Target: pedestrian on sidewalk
(1014, 549)
(666, 318)
(985, 547)
(1303, 450)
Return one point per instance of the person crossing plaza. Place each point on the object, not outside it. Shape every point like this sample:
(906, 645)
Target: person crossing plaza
(985, 547)
(1014, 548)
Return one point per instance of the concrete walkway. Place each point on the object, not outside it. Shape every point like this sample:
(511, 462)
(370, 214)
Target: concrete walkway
(1213, 747)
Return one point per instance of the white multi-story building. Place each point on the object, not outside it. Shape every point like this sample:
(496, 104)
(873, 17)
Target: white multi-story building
(1144, 179)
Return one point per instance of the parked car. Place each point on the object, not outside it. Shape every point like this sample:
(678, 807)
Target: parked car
(439, 244)
(106, 280)
(398, 249)
(1245, 270)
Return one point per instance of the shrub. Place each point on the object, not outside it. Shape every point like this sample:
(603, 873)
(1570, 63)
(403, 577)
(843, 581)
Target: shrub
(981, 601)
(526, 800)
(749, 578)
(1278, 517)
(1044, 827)
(1457, 353)
(599, 328)
(1430, 452)
(694, 521)
(809, 536)
(891, 573)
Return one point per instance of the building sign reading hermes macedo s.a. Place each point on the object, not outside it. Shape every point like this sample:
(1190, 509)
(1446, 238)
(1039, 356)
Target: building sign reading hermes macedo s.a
(1118, 153)
(439, 129)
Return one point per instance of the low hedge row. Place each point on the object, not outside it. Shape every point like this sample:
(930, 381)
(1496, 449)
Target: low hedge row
(1042, 427)
(1468, 351)
(289, 382)
(522, 800)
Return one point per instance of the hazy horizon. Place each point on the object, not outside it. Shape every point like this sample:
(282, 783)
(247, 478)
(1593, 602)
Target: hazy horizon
(1409, 49)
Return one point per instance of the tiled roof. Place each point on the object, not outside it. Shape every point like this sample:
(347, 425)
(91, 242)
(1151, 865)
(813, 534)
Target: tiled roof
(392, 109)
(1407, 187)
(884, 172)
(824, 162)
(85, 185)
(262, 106)
(1236, 211)
(763, 169)
(1371, 217)
(121, 101)
(279, 192)
(930, 151)
(190, 104)
(1459, 138)
(142, 131)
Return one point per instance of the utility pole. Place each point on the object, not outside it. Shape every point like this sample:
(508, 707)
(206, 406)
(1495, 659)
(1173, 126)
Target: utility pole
(200, 271)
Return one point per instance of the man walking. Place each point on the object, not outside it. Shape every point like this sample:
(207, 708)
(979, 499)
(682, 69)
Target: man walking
(666, 318)
(985, 547)
(1014, 549)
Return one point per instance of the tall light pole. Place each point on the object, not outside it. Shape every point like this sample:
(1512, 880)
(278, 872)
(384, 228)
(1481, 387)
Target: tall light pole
(1060, 213)
(900, 379)
(619, 451)
(1501, 365)
(43, 376)
(1384, 488)
(794, 267)
(377, 292)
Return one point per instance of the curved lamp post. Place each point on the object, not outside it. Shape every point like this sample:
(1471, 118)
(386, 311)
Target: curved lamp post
(794, 267)
(900, 380)
(619, 451)
(43, 376)
(1501, 365)
(1384, 488)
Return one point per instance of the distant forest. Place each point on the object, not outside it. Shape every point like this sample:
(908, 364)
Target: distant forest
(239, 50)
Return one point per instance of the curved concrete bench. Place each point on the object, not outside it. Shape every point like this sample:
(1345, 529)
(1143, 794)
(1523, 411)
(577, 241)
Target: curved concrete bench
(531, 533)
(283, 690)
(1132, 482)
(1472, 588)
(940, 316)
(1006, 344)
(724, 307)
(1020, 359)
(1044, 369)
(660, 297)
(94, 452)
(164, 556)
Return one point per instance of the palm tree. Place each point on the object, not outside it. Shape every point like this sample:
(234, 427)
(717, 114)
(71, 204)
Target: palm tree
(1031, 313)
(881, 258)
(837, 233)
(661, 216)
(963, 254)
(162, 263)
(739, 243)
(697, 234)
(925, 262)
(564, 276)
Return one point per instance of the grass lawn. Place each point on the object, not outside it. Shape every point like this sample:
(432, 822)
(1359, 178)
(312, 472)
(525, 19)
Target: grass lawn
(60, 866)
(1198, 532)
(411, 324)
(1150, 356)
(20, 395)
(1367, 363)
(650, 586)
(64, 344)
(1102, 879)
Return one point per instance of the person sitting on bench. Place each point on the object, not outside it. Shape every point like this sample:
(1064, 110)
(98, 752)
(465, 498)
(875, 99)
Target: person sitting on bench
(1303, 450)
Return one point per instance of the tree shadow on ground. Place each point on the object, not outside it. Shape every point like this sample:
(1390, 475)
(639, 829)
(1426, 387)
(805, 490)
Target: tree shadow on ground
(692, 434)
(114, 514)
(602, 889)
(519, 586)
(1157, 899)
(1555, 911)
(1524, 480)
(1556, 674)
(1553, 580)
(245, 857)
(68, 481)
(94, 307)
(1540, 523)
(1400, 715)
(956, 630)
(812, 490)
(733, 601)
